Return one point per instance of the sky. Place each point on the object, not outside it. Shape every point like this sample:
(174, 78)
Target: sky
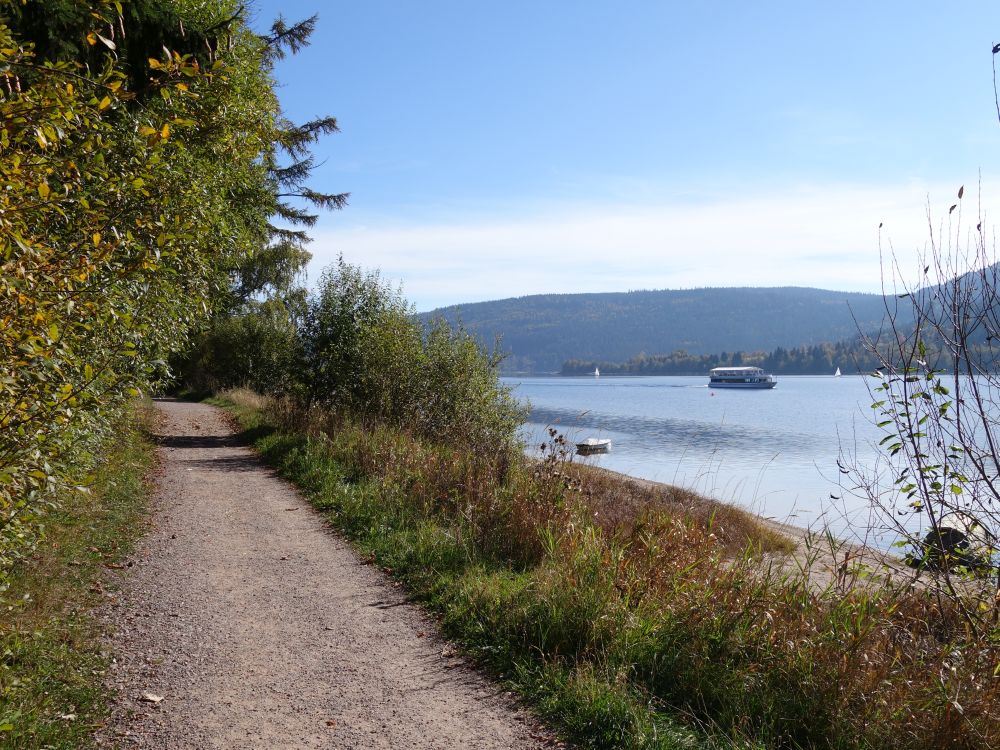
(496, 150)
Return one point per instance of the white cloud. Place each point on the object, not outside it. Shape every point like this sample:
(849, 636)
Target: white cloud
(807, 236)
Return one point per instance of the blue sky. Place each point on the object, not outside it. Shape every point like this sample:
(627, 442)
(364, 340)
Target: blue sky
(501, 149)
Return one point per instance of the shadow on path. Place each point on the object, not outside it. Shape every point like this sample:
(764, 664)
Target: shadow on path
(246, 462)
(244, 438)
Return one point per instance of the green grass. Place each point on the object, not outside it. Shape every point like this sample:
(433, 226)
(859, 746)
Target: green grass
(51, 664)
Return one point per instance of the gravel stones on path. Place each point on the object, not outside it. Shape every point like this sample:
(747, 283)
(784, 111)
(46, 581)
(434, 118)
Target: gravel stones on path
(243, 622)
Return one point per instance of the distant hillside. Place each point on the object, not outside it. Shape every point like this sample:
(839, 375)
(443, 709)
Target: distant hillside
(543, 331)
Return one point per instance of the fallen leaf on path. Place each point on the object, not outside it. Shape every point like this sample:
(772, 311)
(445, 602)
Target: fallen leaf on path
(151, 698)
(331, 722)
(291, 508)
(67, 717)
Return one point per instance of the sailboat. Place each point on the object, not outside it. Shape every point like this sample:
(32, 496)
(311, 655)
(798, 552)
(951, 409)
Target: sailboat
(597, 372)
(837, 373)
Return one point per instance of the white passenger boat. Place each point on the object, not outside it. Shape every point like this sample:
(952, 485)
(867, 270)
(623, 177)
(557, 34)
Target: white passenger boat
(740, 377)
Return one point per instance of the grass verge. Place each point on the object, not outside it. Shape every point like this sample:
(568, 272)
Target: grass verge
(51, 664)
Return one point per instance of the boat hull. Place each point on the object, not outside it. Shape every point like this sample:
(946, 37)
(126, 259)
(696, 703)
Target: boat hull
(752, 386)
(593, 446)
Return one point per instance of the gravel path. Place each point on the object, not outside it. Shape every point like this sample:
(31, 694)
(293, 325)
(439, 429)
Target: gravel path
(259, 628)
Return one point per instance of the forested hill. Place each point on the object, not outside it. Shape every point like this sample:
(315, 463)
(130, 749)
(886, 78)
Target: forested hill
(542, 331)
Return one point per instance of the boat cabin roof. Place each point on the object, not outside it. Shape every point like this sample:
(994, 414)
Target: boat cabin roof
(736, 371)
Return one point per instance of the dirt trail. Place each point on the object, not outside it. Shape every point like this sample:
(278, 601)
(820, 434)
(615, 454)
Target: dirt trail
(260, 629)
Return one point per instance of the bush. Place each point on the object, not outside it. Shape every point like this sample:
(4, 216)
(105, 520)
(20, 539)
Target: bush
(259, 349)
(367, 356)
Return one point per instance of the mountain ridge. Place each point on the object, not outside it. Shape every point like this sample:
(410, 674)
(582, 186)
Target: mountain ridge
(542, 331)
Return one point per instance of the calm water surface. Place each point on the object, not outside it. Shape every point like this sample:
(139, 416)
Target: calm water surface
(774, 452)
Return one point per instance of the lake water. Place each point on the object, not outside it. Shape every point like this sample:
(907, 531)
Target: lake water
(774, 452)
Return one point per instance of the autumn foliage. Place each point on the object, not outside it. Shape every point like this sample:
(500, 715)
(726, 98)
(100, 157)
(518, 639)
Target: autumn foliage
(123, 207)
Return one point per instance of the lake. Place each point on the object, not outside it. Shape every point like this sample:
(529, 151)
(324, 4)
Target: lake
(773, 451)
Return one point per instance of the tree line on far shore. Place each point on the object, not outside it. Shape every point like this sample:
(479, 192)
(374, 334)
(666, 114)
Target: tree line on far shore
(851, 356)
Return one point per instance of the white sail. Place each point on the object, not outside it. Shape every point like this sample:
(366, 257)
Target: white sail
(597, 372)
(837, 373)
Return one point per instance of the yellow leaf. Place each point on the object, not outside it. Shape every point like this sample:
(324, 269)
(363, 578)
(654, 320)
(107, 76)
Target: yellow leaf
(105, 103)
(91, 38)
(165, 131)
(96, 238)
(43, 190)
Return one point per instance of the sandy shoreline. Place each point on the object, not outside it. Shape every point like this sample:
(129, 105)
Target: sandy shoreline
(824, 558)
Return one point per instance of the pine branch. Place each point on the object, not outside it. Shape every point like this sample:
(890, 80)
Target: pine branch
(294, 215)
(330, 201)
(285, 38)
(283, 234)
(296, 138)
(295, 173)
